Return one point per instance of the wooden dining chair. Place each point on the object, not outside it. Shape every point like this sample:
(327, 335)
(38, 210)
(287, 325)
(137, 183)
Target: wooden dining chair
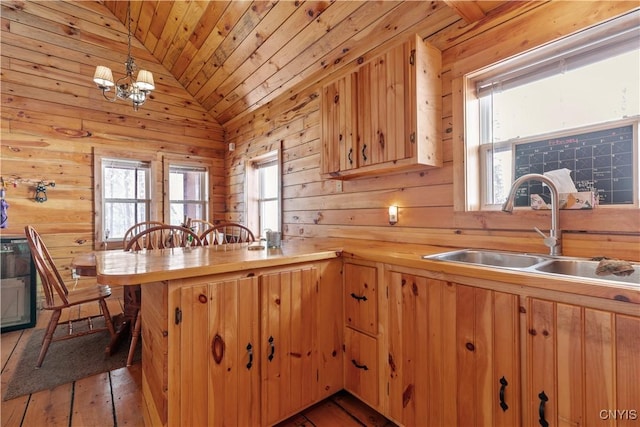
(163, 236)
(201, 225)
(158, 237)
(229, 232)
(58, 298)
(137, 228)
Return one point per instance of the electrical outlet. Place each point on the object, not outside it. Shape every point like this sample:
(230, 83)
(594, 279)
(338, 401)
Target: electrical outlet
(74, 274)
(339, 186)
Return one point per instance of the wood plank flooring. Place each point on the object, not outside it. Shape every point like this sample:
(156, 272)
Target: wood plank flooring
(115, 398)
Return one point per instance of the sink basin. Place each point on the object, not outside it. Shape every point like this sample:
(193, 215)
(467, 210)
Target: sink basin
(585, 269)
(490, 258)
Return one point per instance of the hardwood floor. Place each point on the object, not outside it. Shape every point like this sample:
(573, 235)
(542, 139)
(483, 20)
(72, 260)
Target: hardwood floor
(115, 398)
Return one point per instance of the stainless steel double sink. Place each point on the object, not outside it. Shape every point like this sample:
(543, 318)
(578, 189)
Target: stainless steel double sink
(534, 263)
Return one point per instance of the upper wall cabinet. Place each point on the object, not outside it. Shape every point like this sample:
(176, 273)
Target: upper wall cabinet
(385, 116)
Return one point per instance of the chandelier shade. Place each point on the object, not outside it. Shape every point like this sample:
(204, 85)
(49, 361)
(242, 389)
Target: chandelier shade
(137, 91)
(103, 76)
(145, 80)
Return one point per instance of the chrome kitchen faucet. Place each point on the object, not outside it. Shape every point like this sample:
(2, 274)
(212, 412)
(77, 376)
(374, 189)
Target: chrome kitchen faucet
(553, 240)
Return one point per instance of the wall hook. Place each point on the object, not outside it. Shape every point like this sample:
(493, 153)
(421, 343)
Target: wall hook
(41, 191)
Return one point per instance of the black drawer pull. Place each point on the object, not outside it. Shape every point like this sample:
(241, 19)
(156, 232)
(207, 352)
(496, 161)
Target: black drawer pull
(363, 367)
(358, 297)
(250, 351)
(503, 386)
(543, 399)
(273, 349)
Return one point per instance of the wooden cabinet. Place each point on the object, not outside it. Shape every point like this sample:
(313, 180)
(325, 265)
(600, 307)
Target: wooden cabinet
(247, 348)
(221, 351)
(488, 357)
(288, 341)
(395, 103)
(421, 358)
(582, 365)
(362, 348)
(362, 373)
(361, 298)
(339, 126)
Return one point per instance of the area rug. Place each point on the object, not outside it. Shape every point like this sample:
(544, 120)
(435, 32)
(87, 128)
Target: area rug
(65, 362)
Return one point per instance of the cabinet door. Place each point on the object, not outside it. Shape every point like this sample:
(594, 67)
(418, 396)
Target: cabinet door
(488, 357)
(422, 355)
(339, 125)
(219, 348)
(383, 95)
(582, 366)
(289, 377)
(361, 366)
(361, 298)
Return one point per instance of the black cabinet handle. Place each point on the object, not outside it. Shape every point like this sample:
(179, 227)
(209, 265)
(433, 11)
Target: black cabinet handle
(543, 399)
(364, 151)
(349, 156)
(250, 351)
(503, 386)
(273, 349)
(358, 297)
(363, 367)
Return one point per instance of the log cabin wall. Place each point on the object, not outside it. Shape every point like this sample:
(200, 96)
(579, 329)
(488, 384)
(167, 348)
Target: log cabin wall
(54, 117)
(357, 209)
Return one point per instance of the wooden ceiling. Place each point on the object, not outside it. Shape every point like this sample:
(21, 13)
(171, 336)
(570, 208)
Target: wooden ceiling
(234, 56)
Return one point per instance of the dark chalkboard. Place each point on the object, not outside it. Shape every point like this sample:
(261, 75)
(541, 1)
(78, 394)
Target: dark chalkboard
(599, 161)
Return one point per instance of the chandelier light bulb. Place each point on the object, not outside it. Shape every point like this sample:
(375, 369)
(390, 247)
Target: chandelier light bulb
(126, 88)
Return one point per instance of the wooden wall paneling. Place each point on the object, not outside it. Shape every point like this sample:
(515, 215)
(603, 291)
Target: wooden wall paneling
(189, 61)
(53, 117)
(305, 23)
(224, 26)
(499, 43)
(247, 52)
(311, 203)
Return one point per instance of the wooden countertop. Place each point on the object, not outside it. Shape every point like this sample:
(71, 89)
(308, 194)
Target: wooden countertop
(125, 268)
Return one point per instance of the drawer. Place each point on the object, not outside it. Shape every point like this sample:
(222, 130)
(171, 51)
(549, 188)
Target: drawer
(361, 298)
(361, 366)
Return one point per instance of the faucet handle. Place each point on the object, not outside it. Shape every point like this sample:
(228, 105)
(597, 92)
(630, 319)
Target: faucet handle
(549, 241)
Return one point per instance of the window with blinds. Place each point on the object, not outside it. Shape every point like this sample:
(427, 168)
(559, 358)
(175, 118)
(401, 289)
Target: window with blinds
(590, 79)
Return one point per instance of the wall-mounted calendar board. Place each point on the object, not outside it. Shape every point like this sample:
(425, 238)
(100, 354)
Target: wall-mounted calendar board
(599, 160)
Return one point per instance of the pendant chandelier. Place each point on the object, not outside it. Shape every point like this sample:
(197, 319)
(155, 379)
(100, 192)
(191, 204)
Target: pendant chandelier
(126, 87)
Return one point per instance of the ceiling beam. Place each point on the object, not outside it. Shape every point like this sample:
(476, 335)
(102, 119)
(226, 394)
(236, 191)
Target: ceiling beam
(468, 10)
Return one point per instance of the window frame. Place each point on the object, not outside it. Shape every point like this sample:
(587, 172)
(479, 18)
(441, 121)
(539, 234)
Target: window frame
(252, 189)
(471, 189)
(187, 162)
(99, 155)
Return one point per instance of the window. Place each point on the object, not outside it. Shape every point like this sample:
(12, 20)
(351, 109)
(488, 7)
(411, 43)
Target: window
(263, 193)
(126, 196)
(188, 193)
(268, 196)
(558, 94)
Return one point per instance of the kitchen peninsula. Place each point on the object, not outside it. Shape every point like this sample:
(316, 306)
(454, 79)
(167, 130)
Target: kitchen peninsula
(252, 337)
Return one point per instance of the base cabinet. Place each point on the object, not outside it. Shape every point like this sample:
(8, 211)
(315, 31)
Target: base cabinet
(361, 372)
(363, 331)
(288, 336)
(221, 351)
(582, 366)
(246, 349)
(421, 362)
(488, 357)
